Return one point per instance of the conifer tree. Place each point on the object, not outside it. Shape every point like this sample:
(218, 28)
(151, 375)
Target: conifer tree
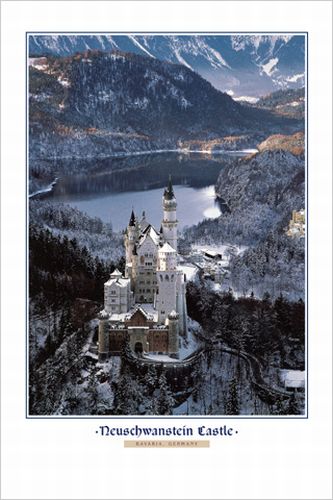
(232, 407)
(293, 408)
(165, 399)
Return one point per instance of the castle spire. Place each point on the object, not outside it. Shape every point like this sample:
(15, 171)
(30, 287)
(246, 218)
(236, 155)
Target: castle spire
(169, 222)
(168, 192)
(132, 219)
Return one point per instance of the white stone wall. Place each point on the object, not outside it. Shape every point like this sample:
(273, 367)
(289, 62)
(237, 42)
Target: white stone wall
(170, 223)
(166, 298)
(130, 238)
(145, 278)
(181, 303)
(167, 261)
(117, 298)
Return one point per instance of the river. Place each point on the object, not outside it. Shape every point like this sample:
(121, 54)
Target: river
(109, 188)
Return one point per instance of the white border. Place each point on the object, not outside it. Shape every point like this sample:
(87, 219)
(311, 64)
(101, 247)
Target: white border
(65, 459)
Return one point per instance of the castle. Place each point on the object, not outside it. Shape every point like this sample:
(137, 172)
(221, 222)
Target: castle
(147, 306)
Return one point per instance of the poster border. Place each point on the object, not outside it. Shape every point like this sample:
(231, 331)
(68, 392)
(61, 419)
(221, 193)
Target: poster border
(305, 416)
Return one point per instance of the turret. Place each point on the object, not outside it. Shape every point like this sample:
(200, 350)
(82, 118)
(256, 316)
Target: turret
(143, 221)
(173, 323)
(132, 219)
(130, 237)
(166, 274)
(103, 336)
(169, 222)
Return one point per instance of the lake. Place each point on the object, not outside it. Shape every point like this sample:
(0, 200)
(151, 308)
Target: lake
(109, 188)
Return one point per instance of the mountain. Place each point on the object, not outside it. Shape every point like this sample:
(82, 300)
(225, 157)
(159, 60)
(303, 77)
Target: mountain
(292, 143)
(270, 183)
(289, 102)
(96, 104)
(246, 66)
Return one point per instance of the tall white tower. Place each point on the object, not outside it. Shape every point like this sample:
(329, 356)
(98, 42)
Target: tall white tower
(166, 273)
(169, 222)
(130, 240)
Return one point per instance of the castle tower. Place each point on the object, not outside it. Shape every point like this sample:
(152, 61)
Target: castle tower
(166, 274)
(169, 222)
(173, 322)
(130, 237)
(103, 336)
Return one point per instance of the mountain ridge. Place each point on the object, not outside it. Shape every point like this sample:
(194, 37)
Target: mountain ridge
(97, 104)
(243, 65)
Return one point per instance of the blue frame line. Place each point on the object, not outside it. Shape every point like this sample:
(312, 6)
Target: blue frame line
(171, 417)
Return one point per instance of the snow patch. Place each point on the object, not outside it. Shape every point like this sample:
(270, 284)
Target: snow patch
(141, 47)
(160, 357)
(245, 98)
(181, 60)
(268, 68)
(63, 81)
(189, 270)
(294, 78)
(219, 57)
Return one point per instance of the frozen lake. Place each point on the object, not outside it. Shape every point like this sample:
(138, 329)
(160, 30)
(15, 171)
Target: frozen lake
(110, 188)
(193, 205)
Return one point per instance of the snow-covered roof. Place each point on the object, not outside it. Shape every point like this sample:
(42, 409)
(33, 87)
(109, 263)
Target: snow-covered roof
(167, 248)
(151, 232)
(121, 282)
(173, 315)
(143, 310)
(212, 253)
(143, 222)
(118, 317)
(116, 274)
(147, 309)
(103, 314)
(138, 327)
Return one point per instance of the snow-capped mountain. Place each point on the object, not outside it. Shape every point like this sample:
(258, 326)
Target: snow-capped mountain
(96, 103)
(242, 65)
